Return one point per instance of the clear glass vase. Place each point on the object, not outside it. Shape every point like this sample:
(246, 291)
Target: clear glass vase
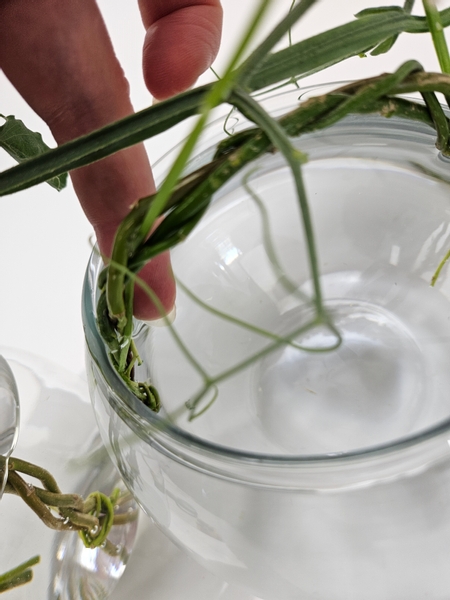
(316, 473)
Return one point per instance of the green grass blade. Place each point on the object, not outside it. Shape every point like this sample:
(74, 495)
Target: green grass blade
(387, 44)
(259, 54)
(333, 46)
(103, 142)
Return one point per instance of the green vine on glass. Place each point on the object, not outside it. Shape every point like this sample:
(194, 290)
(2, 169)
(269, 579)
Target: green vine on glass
(181, 201)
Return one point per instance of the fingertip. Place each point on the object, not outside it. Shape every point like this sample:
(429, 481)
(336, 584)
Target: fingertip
(158, 276)
(164, 321)
(180, 47)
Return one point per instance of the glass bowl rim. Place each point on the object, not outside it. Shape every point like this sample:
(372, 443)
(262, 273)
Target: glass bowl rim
(136, 410)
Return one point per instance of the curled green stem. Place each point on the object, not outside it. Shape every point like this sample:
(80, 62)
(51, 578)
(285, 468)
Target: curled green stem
(92, 518)
(103, 511)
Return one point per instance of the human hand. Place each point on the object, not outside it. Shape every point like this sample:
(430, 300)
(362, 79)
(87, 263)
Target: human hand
(59, 57)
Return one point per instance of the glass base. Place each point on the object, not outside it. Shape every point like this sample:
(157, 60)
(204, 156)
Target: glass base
(161, 570)
(358, 388)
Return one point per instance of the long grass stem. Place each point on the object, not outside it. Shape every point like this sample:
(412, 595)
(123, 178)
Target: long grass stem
(437, 33)
(253, 110)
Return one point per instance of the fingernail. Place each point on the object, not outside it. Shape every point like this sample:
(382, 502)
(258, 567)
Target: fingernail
(163, 321)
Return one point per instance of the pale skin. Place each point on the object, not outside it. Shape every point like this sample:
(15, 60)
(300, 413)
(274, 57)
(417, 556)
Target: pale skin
(58, 55)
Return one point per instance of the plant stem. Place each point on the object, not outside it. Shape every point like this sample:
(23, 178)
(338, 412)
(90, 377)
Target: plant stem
(235, 321)
(28, 494)
(154, 298)
(289, 285)
(440, 121)
(437, 33)
(370, 92)
(193, 403)
(72, 512)
(16, 464)
(251, 109)
(439, 268)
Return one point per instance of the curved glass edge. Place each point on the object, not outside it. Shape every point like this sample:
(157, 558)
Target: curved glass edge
(137, 415)
(149, 425)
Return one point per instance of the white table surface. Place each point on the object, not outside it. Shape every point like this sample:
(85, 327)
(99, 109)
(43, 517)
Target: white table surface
(45, 238)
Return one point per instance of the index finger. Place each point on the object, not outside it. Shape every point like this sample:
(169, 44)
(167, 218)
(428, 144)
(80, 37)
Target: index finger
(59, 57)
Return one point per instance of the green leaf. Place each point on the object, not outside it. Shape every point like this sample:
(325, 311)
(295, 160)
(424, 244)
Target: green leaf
(384, 46)
(389, 42)
(22, 144)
